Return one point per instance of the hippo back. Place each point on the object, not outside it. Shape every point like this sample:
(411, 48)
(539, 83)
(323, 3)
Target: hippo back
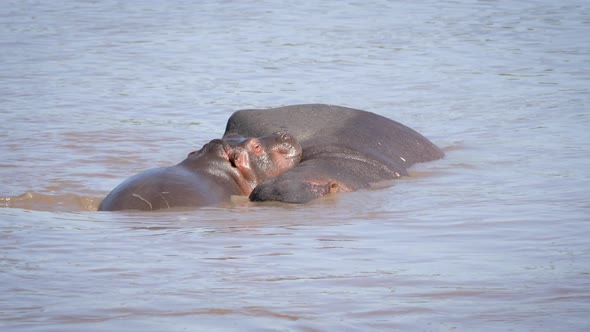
(344, 149)
(325, 126)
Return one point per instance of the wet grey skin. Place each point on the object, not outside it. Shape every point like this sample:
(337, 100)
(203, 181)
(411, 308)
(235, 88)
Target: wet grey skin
(344, 149)
(210, 176)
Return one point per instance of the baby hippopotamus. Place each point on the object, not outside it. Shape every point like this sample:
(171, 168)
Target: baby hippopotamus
(233, 165)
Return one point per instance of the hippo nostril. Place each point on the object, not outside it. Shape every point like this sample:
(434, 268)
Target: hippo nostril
(233, 156)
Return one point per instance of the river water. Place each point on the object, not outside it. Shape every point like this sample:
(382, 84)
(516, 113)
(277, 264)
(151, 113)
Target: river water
(494, 237)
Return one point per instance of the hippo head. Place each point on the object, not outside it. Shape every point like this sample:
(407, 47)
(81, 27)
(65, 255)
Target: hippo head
(259, 159)
(249, 161)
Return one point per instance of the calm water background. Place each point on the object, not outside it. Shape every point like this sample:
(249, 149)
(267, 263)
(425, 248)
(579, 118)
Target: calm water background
(492, 238)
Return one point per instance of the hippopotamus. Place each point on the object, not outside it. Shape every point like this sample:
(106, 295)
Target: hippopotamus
(344, 149)
(224, 167)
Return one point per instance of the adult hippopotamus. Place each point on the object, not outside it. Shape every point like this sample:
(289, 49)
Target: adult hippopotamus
(344, 149)
(223, 167)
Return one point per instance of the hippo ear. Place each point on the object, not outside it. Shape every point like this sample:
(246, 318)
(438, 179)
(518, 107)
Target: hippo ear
(193, 153)
(333, 187)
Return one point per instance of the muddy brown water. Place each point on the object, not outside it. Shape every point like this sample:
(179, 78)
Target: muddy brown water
(492, 238)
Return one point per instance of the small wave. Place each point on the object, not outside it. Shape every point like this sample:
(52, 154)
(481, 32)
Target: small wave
(453, 147)
(44, 202)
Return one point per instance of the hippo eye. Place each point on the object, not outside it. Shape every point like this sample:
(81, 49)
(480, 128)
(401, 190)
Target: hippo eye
(254, 145)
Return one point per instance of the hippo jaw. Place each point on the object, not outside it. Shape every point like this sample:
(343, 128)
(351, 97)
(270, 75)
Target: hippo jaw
(298, 192)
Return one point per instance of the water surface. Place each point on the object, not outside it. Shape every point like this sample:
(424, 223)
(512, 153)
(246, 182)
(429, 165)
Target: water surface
(491, 238)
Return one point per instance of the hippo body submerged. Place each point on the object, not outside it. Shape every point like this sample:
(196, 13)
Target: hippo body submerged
(344, 149)
(210, 176)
